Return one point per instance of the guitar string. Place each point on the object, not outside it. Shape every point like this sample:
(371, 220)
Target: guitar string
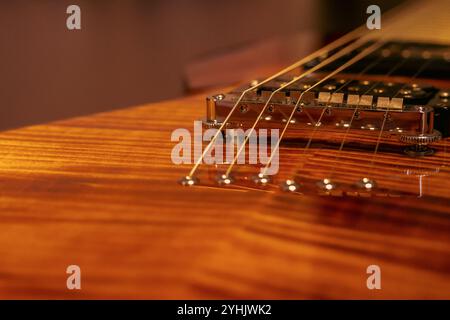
(358, 32)
(385, 35)
(398, 162)
(339, 54)
(335, 44)
(323, 111)
(380, 42)
(317, 124)
(385, 115)
(339, 152)
(384, 119)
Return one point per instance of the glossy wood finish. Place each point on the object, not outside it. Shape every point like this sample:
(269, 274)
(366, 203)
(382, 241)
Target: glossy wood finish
(101, 192)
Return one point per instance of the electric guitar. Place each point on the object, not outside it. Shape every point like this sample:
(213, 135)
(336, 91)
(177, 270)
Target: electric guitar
(291, 186)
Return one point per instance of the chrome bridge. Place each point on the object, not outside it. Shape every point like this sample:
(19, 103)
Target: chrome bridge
(398, 112)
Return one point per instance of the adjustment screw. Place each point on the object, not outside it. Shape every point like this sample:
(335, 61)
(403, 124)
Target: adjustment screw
(219, 97)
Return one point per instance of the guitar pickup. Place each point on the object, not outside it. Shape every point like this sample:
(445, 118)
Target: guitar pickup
(364, 101)
(408, 122)
(391, 104)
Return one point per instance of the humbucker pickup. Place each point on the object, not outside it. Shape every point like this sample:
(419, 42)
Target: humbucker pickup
(410, 113)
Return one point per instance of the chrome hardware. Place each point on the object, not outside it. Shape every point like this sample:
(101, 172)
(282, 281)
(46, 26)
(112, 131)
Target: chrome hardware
(366, 183)
(409, 119)
(290, 186)
(188, 181)
(224, 179)
(421, 139)
(261, 179)
(326, 184)
(419, 143)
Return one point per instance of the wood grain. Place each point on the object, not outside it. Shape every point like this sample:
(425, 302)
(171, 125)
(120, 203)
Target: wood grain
(101, 192)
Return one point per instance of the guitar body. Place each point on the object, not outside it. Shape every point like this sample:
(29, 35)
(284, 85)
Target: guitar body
(102, 192)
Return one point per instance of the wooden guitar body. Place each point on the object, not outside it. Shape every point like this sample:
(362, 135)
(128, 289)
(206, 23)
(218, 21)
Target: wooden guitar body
(102, 192)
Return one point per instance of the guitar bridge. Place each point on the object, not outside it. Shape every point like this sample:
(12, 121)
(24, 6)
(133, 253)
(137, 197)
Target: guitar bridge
(397, 112)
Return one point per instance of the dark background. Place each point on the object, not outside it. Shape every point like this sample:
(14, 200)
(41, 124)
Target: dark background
(138, 51)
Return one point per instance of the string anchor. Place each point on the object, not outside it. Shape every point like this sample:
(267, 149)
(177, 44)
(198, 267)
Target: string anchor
(290, 186)
(366, 183)
(326, 184)
(188, 181)
(261, 179)
(224, 179)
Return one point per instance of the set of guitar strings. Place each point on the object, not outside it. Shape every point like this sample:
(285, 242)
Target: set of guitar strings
(356, 40)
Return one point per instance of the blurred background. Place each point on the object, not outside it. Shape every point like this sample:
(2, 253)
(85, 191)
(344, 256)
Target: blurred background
(139, 51)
